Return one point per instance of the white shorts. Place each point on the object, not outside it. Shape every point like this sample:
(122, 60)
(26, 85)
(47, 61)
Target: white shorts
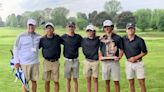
(111, 68)
(135, 70)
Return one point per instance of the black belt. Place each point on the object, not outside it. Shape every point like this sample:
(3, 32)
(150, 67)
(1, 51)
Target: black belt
(91, 60)
(52, 60)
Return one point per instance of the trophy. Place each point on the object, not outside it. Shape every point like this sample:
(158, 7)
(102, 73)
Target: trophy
(110, 48)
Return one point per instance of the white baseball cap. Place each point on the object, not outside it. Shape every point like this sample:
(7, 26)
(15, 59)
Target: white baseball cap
(107, 23)
(49, 24)
(31, 21)
(90, 27)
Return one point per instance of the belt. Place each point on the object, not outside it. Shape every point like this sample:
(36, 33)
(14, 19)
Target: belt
(91, 60)
(136, 61)
(52, 60)
(67, 59)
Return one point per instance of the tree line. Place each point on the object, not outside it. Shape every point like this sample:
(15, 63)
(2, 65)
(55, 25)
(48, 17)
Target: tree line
(143, 18)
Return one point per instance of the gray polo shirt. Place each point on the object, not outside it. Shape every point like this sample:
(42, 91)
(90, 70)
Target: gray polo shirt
(26, 48)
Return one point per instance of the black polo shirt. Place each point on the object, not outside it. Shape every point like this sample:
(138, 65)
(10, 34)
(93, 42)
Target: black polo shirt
(134, 47)
(71, 45)
(118, 42)
(90, 48)
(51, 48)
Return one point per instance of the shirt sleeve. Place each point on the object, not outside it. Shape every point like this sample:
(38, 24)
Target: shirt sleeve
(143, 46)
(120, 43)
(16, 50)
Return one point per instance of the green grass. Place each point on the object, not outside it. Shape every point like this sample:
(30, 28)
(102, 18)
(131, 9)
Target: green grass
(154, 64)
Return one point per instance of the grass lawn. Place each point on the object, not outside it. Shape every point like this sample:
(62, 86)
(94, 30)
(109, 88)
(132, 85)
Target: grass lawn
(154, 64)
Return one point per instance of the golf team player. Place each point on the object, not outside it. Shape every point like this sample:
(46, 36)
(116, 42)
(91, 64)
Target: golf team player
(71, 42)
(110, 42)
(135, 49)
(90, 48)
(51, 49)
(26, 54)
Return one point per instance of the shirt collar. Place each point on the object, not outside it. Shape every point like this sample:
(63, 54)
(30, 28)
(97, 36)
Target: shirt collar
(132, 39)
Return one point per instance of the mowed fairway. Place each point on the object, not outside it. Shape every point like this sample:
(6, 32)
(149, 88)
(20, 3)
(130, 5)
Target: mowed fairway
(154, 64)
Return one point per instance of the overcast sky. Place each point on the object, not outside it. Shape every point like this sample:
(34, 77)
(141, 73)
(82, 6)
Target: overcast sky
(19, 6)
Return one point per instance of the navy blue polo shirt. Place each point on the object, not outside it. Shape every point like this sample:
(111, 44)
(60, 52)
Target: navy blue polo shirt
(51, 47)
(90, 47)
(134, 47)
(71, 45)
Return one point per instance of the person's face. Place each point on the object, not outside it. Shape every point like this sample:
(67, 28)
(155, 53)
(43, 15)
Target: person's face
(91, 33)
(108, 29)
(71, 28)
(31, 28)
(130, 31)
(49, 30)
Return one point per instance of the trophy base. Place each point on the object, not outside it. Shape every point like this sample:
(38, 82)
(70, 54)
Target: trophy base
(108, 58)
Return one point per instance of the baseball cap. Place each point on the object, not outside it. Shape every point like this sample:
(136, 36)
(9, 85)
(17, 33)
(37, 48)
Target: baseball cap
(90, 27)
(71, 23)
(31, 21)
(130, 25)
(49, 24)
(107, 23)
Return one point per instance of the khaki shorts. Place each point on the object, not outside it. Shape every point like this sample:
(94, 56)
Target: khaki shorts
(111, 68)
(135, 70)
(51, 70)
(71, 68)
(91, 68)
(31, 71)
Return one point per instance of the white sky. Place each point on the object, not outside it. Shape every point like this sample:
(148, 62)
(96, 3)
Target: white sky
(19, 6)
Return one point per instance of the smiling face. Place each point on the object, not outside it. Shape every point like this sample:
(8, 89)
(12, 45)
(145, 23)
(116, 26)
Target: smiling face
(90, 33)
(49, 30)
(71, 28)
(31, 28)
(130, 31)
(108, 29)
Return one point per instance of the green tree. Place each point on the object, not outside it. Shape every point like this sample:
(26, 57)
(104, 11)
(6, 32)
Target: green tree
(38, 16)
(91, 16)
(124, 18)
(143, 17)
(82, 16)
(59, 16)
(47, 14)
(1, 22)
(112, 7)
(82, 23)
(100, 18)
(13, 20)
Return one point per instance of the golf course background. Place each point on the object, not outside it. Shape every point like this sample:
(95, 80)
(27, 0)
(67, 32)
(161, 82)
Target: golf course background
(154, 63)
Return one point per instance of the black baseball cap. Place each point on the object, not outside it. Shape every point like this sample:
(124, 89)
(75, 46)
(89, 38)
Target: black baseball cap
(130, 25)
(71, 23)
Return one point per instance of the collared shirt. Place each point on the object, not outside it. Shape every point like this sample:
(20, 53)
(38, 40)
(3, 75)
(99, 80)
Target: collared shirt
(134, 47)
(26, 48)
(71, 45)
(90, 48)
(51, 48)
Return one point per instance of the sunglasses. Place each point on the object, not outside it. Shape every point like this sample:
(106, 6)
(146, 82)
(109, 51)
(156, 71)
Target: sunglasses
(131, 28)
(71, 26)
(90, 30)
(107, 26)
